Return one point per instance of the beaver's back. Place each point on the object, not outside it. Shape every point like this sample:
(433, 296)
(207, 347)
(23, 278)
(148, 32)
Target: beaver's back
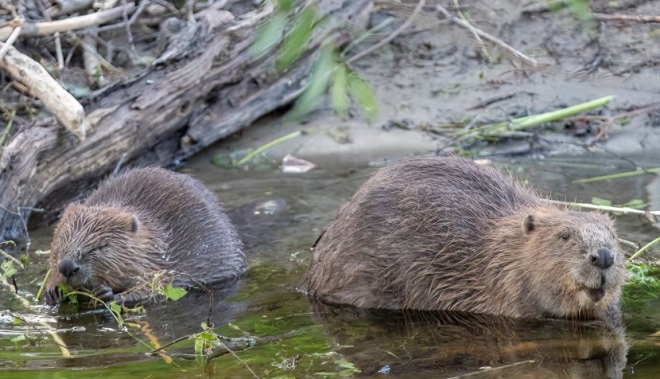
(200, 239)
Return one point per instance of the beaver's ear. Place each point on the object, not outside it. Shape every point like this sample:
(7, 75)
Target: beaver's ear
(135, 224)
(528, 224)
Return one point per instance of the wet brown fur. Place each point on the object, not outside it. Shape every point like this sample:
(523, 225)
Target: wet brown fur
(445, 233)
(142, 222)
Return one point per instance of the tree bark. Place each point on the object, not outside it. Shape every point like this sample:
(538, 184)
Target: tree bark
(212, 92)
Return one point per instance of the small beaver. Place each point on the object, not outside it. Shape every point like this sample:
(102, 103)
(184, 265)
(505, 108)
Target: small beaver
(140, 223)
(445, 233)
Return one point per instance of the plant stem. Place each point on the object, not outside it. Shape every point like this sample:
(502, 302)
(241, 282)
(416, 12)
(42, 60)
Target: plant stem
(268, 146)
(534, 120)
(43, 284)
(561, 113)
(643, 249)
(621, 175)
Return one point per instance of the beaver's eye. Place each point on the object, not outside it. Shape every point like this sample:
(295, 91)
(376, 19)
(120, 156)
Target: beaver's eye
(565, 236)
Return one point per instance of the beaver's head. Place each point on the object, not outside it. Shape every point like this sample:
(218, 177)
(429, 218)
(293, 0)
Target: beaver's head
(575, 263)
(95, 246)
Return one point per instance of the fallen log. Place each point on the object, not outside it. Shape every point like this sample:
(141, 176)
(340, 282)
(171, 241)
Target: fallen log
(165, 115)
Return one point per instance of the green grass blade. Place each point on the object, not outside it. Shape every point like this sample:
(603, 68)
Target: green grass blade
(295, 42)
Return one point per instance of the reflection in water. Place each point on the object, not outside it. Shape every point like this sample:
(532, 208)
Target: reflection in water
(455, 344)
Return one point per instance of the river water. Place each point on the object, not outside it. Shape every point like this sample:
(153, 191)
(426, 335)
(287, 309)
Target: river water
(280, 216)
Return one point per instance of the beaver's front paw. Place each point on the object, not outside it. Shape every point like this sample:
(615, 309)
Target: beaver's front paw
(105, 293)
(53, 296)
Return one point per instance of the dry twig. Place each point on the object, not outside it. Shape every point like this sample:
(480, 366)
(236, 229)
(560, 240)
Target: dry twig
(91, 59)
(58, 101)
(625, 17)
(12, 38)
(31, 29)
(531, 62)
(389, 38)
(58, 41)
(62, 7)
(16, 261)
(481, 44)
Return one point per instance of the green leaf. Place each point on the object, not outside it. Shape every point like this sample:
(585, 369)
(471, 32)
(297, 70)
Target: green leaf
(199, 346)
(601, 201)
(24, 260)
(634, 203)
(173, 293)
(17, 321)
(206, 337)
(580, 8)
(8, 269)
(115, 308)
(268, 35)
(285, 5)
(339, 90)
(318, 82)
(295, 42)
(345, 364)
(365, 97)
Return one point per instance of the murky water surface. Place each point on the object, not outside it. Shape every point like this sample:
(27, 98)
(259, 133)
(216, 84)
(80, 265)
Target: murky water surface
(296, 339)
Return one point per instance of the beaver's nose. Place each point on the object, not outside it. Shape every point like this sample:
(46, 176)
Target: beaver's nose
(603, 259)
(68, 267)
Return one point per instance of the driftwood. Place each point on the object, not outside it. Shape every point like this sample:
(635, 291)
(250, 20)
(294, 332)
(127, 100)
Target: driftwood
(164, 115)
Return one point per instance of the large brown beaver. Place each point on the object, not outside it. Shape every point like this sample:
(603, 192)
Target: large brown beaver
(445, 233)
(144, 223)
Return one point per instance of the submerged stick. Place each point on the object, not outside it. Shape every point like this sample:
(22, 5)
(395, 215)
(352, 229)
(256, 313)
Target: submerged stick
(620, 175)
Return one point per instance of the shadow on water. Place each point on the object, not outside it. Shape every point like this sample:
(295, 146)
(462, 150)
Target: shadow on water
(279, 217)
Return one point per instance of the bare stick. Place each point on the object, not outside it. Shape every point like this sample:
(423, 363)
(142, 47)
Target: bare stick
(62, 7)
(625, 17)
(389, 38)
(31, 29)
(481, 44)
(58, 41)
(624, 210)
(496, 41)
(141, 7)
(129, 35)
(58, 101)
(91, 59)
(239, 359)
(16, 261)
(628, 243)
(12, 38)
